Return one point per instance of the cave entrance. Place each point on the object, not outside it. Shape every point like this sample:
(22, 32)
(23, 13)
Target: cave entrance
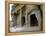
(33, 20)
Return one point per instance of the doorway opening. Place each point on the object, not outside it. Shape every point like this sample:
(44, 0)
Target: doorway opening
(23, 20)
(33, 20)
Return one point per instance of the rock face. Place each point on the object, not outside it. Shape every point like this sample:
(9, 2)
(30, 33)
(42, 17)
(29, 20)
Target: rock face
(28, 18)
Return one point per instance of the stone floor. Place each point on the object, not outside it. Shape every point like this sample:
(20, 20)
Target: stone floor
(24, 29)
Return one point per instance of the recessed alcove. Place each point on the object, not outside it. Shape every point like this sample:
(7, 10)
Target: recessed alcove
(33, 20)
(23, 21)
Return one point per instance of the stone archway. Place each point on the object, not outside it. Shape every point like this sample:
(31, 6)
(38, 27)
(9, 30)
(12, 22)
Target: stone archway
(33, 20)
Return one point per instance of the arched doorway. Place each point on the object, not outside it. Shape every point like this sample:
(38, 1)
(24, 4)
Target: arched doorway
(33, 20)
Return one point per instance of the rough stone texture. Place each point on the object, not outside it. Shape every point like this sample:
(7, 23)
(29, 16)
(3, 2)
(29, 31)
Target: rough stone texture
(27, 27)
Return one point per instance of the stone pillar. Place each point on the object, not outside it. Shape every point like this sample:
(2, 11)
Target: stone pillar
(15, 20)
(29, 20)
(26, 19)
(19, 19)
